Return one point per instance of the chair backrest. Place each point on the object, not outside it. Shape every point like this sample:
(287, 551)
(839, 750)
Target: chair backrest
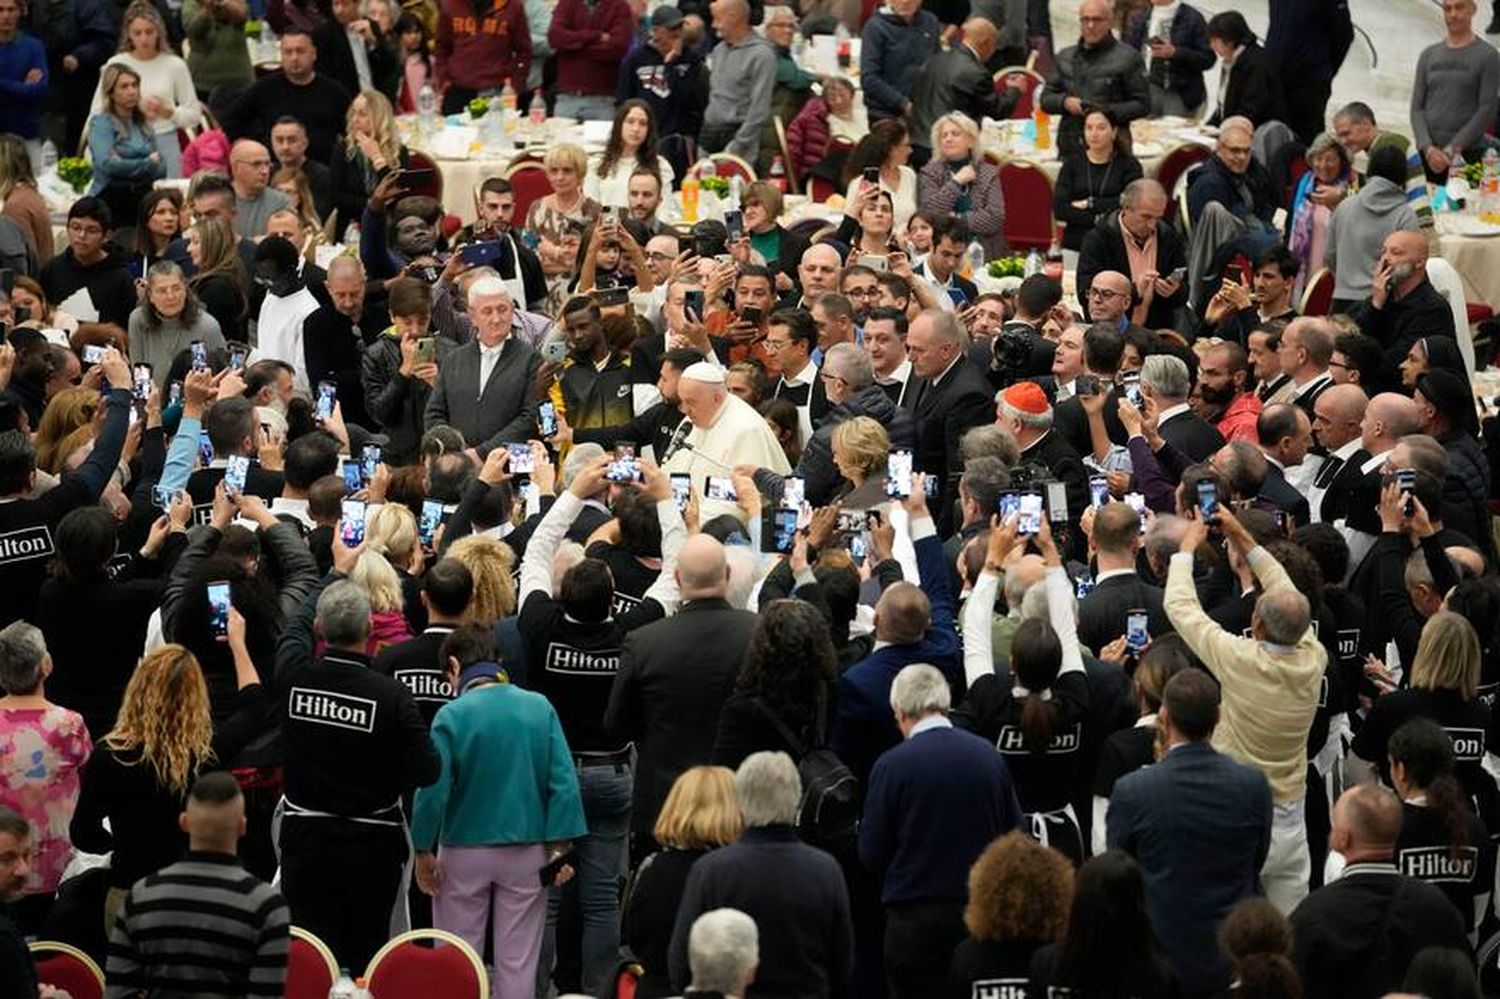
(794, 182)
(1317, 297)
(1184, 219)
(311, 968)
(1450, 285)
(728, 164)
(1028, 206)
(431, 188)
(820, 189)
(1024, 79)
(1178, 161)
(65, 967)
(408, 968)
(528, 182)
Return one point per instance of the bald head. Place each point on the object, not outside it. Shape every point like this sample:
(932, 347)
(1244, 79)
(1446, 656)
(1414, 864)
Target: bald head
(903, 614)
(702, 569)
(1388, 418)
(1109, 296)
(819, 270)
(981, 35)
(249, 168)
(1281, 617)
(1337, 415)
(1094, 18)
(1367, 821)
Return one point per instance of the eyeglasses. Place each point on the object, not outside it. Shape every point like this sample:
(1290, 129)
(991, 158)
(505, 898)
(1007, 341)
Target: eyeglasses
(656, 255)
(1338, 364)
(1105, 294)
(776, 346)
(831, 378)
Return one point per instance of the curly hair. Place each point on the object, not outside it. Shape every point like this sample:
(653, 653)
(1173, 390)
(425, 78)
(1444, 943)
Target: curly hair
(489, 562)
(165, 718)
(791, 662)
(1258, 940)
(1019, 890)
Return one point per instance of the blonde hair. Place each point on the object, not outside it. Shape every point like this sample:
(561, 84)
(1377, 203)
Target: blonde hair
(379, 580)
(136, 11)
(489, 562)
(1447, 656)
(216, 241)
(863, 443)
(382, 126)
(165, 717)
(108, 79)
(701, 811)
(307, 210)
(69, 410)
(391, 530)
(565, 154)
(968, 125)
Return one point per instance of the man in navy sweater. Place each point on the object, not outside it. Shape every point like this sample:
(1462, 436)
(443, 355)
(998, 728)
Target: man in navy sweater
(934, 803)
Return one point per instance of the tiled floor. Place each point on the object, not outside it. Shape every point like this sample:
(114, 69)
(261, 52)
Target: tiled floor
(1379, 67)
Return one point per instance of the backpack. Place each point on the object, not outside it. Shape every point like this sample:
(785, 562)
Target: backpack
(828, 815)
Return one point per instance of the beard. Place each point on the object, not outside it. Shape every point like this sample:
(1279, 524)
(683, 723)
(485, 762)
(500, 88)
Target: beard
(1217, 396)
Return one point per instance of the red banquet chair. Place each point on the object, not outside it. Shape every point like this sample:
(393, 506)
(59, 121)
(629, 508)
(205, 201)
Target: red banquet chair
(728, 165)
(528, 183)
(1028, 205)
(65, 967)
(431, 188)
(311, 968)
(1178, 161)
(410, 967)
(1317, 297)
(1026, 81)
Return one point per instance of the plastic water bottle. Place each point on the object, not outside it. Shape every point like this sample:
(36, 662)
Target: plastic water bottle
(736, 185)
(777, 177)
(1458, 182)
(360, 990)
(427, 107)
(344, 988)
(537, 111)
(49, 157)
(690, 198)
(973, 260)
(1034, 263)
(844, 47)
(508, 100)
(1489, 185)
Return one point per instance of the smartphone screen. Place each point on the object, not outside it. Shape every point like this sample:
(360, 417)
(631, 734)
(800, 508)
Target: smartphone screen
(1098, 490)
(432, 517)
(793, 491)
(859, 547)
(682, 489)
(237, 359)
(162, 496)
(353, 477)
(199, 351)
(1136, 636)
(692, 303)
(369, 458)
(141, 376)
(521, 460)
(1132, 384)
(174, 393)
(1031, 513)
(205, 447)
(783, 534)
(1208, 499)
(851, 521)
(1009, 505)
(327, 393)
(546, 418)
(1137, 502)
(624, 467)
(235, 473)
(352, 523)
(898, 474)
(720, 487)
(218, 607)
(1057, 502)
(1406, 478)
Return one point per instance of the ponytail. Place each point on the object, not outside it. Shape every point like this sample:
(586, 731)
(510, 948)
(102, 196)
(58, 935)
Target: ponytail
(1035, 658)
(1446, 797)
(1039, 718)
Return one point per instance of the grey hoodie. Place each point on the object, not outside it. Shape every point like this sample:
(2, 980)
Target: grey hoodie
(741, 77)
(1357, 231)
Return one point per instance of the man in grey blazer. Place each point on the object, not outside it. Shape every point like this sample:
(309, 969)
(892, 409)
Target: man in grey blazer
(484, 387)
(1200, 826)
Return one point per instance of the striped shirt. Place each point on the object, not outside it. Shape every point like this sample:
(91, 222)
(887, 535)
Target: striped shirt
(202, 927)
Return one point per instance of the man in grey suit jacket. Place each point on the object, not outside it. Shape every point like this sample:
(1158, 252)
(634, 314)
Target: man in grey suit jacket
(484, 387)
(1200, 825)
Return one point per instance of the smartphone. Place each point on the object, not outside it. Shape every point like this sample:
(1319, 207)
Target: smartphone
(692, 303)
(432, 517)
(354, 479)
(417, 177)
(480, 254)
(1057, 502)
(327, 393)
(218, 607)
(1086, 384)
(1208, 500)
(859, 547)
(1137, 502)
(874, 261)
(141, 376)
(871, 175)
(1406, 479)
(682, 489)
(521, 460)
(624, 467)
(531, 498)
(898, 475)
(1132, 382)
(198, 350)
(352, 523)
(1008, 505)
(1136, 636)
(93, 354)
(235, 473)
(174, 394)
(751, 314)
(734, 222)
(237, 359)
(930, 486)
(554, 350)
(205, 447)
(851, 521)
(549, 873)
(1031, 513)
(793, 492)
(1098, 490)
(783, 533)
(546, 418)
(609, 298)
(1177, 275)
(162, 496)
(426, 351)
(719, 487)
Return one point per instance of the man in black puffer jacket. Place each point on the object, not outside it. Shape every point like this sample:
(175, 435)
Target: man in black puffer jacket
(1097, 73)
(849, 380)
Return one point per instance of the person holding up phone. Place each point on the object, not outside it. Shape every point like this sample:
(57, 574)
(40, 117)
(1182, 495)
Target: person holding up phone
(401, 367)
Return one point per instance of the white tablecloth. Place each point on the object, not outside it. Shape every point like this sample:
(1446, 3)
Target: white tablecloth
(1473, 248)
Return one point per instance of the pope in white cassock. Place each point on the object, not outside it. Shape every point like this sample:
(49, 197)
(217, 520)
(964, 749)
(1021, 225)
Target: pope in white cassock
(726, 432)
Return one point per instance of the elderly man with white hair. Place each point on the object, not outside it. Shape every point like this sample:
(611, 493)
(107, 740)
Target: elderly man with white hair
(1271, 681)
(793, 891)
(963, 791)
(718, 432)
(723, 951)
(484, 389)
(1166, 383)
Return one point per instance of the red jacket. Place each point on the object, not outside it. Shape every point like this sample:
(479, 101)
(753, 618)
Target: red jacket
(807, 136)
(585, 64)
(476, 53)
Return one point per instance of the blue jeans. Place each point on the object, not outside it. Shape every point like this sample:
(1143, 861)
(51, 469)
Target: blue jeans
(584, 107)
(589, 904)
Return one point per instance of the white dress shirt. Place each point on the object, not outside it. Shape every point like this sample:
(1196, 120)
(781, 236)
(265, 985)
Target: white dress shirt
(1315, 493)
(488, 358)
(361, 58)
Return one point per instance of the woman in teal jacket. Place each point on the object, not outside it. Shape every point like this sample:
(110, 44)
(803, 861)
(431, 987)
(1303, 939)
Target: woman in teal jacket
(505, 803)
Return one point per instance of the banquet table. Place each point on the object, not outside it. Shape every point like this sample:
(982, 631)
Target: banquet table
(1472, 246)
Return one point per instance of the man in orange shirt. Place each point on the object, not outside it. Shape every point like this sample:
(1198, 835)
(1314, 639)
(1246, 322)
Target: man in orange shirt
(1223, 397)
(745, 325)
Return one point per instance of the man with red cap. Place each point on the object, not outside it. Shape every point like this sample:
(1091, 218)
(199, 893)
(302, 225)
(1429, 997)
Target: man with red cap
(1024, 410)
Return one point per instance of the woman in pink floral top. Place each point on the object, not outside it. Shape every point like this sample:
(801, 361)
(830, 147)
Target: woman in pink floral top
(42, 750)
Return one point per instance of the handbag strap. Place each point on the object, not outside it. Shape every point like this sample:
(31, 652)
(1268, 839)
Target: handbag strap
(781, 727)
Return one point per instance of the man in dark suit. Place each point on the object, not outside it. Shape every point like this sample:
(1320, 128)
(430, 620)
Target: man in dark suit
(885, 340)
(352, 50)
(1254, 85)
(1250, 476)
(232, 430)
(485, 390)
(1025, 351)
(1166, 382)
(1103, 348)
(1285, 436)
(1024, 410)
(674, 676)
(1356, 936)
(1199, 824)
(1336, 427)
(1118, 587)
(1143, 203)
(953, 398)
(1305, 350)
(956, 80)
(418, 662)
(933, 804)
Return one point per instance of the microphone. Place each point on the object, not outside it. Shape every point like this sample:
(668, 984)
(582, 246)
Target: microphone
(678, 441)
(685, 446)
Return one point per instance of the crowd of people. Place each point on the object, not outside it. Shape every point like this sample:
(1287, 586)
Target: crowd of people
(762, 613)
